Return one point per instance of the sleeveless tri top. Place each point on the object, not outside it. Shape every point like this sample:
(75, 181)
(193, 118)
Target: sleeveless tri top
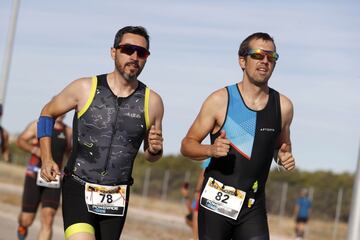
(108, 133)
(253, 135)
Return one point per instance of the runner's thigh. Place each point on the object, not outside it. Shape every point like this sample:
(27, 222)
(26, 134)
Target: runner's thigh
(254, 226)
(213, 226)
(73, 204)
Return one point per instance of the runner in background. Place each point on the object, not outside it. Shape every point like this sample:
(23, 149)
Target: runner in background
(302, 211)
(185, 193)
(4, 141)
(199, 183)
(35, 190)
(192, 203)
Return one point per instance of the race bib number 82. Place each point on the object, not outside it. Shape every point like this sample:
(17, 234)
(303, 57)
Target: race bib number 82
(223, 200)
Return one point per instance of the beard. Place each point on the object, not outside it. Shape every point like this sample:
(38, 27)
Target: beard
(257, 79)
(260, 82)
(133, 71)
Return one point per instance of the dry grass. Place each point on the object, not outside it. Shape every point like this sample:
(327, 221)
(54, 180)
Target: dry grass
(147, 230)
(10, 198)
(176, 208)
(316, 229)
(11, 173)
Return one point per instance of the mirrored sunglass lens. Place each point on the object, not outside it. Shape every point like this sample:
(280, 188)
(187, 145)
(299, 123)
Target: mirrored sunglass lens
(271, 58)
(257, 56)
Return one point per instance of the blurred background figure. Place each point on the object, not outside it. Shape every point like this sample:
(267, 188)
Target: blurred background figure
(37, 191)
(198, 187)
(188, 203)
(192, 203)
(4, 141)
(302, 213)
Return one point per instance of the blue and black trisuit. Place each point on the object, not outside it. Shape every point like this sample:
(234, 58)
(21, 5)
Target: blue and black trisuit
(253, 136)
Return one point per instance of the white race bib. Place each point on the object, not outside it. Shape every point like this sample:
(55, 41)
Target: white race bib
(105, 200)
(223, 200)
(41, 182)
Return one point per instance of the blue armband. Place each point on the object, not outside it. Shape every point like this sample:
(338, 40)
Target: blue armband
(45, 126)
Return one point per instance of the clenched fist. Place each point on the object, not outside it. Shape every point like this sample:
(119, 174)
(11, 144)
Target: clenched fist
(286, 158)
(221, 146)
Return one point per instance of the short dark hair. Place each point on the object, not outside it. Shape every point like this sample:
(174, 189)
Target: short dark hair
(244, 46)
(139, 30)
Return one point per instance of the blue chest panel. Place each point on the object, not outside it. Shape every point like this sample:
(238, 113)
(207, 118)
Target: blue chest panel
(240, 123)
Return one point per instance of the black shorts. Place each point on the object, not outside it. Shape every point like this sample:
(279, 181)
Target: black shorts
(189, 217)
(213, 226)
(251, 224)
(33, 195)
(77, 218)
(302, 219)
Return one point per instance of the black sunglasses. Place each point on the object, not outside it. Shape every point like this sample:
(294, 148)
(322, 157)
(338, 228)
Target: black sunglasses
(129, 49)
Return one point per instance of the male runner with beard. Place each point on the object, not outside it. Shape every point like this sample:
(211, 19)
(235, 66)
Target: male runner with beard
(114, 114)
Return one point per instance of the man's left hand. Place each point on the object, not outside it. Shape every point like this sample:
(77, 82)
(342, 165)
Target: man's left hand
(155, 141)
(286, 158)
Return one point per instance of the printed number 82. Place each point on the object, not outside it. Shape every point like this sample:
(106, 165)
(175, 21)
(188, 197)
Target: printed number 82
(222, 197)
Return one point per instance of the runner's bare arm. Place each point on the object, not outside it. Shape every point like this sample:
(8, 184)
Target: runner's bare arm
(73, 96)
(153, 142)
(69, 140)
(68, 133)
(6, 148)
(296, 210)
(208, 120)
(27, 138)
(284, 153)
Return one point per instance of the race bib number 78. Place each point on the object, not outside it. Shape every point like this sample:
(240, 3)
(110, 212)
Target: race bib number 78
(105, 200)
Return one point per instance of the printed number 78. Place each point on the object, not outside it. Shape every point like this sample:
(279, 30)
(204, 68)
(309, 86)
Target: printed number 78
(108, 197)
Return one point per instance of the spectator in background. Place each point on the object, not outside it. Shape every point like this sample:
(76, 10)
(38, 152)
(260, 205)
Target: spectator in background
(302, 213)
(4, 141)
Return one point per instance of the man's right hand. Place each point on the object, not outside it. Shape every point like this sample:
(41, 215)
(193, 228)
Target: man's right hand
(49, 170)
(221, 146)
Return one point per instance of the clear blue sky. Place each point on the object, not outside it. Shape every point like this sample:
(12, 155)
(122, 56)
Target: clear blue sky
(194, 52)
